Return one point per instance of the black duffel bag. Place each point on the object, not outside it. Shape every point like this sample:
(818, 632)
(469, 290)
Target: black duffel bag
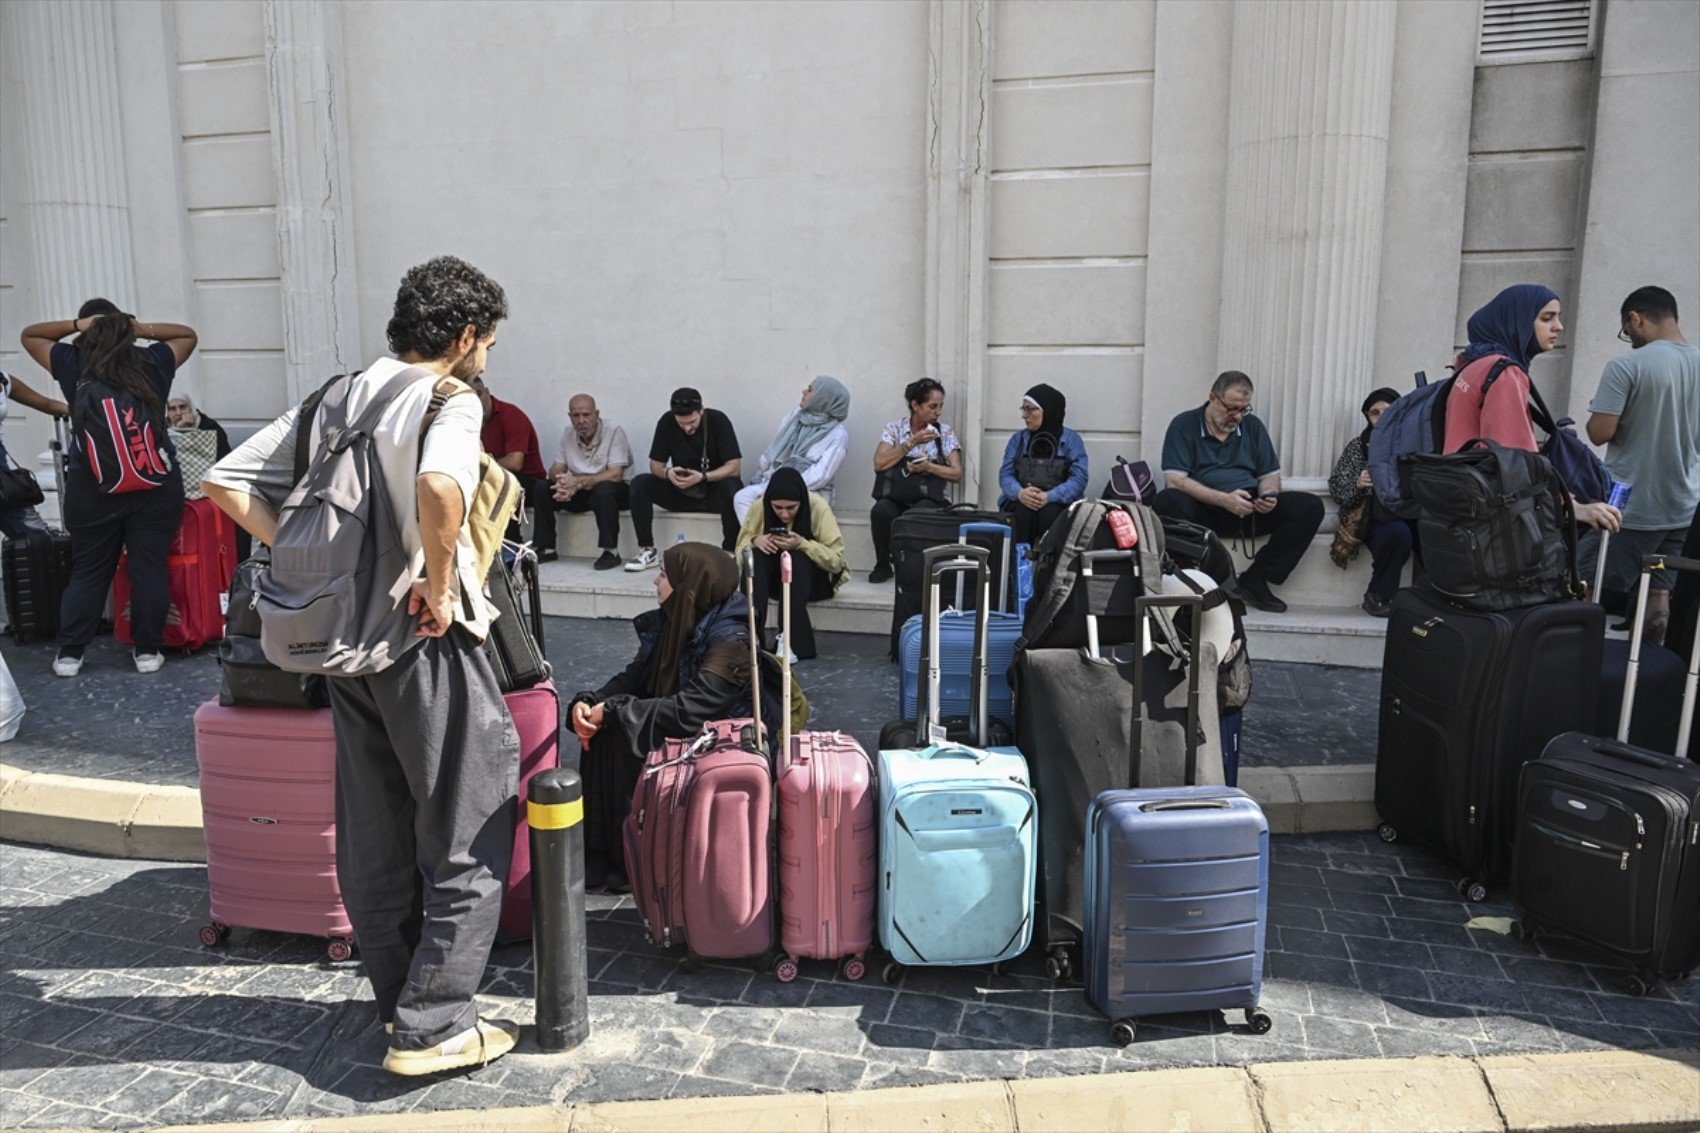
(245, 678)
(1497, 526)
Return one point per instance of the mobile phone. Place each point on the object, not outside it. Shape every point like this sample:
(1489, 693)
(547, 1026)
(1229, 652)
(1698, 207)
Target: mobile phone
(778, 530)
(1269, 496)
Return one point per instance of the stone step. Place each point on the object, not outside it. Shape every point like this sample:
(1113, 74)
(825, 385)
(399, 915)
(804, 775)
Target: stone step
(1328, 635)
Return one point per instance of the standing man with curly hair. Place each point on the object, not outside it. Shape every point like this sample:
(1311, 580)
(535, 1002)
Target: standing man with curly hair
(427, 756)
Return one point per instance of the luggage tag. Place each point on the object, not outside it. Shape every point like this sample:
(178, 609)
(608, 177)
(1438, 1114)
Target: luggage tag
(1121, 526)
(224, 603)
(937, 734)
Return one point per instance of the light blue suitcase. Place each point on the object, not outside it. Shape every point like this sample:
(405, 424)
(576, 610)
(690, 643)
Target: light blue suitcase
(956, 637)
(958, 821)
(1177, 893)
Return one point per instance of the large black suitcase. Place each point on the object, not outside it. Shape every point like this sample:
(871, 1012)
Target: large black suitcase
(515, 641)
(919, 528)
(1467, 698)
(37, 567)
(1608, 841)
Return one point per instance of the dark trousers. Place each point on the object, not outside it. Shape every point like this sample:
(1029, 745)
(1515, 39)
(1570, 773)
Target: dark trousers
(883, 515)
(1290, 527)
(1028, 525)
(649, 491)
(606, 499)
(1390, 542)
(610, 774)
(141, 524)
(427, 765)
(807, 583)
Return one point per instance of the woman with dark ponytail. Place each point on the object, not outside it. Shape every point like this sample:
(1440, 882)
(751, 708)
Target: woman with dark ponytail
(138, 515)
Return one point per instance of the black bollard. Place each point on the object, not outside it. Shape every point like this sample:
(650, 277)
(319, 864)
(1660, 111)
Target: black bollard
(555, 810)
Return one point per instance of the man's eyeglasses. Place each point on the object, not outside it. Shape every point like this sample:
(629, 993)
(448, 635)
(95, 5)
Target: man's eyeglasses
(1232, 410)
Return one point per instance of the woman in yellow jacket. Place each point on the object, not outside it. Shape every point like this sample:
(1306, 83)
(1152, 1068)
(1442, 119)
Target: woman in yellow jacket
(792, 518)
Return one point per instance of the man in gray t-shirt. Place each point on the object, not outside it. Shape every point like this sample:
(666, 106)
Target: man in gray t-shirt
(1647, 414)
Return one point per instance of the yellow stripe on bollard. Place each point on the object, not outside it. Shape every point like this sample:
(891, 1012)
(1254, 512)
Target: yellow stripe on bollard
(554, 816)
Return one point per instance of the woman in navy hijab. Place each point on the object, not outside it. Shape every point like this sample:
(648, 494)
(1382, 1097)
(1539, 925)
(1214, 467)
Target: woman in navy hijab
(1520, 322)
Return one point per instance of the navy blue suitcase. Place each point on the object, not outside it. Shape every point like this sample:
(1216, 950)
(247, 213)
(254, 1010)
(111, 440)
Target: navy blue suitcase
(956, 648)
(1177, 891)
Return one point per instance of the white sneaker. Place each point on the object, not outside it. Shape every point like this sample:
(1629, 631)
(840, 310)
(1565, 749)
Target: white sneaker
(780, 649)
(149, 662)
(646, 558)
(476, 1046)
(67, 666)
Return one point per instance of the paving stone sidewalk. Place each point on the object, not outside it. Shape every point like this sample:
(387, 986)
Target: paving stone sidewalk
(112, 723)
(112, 1014)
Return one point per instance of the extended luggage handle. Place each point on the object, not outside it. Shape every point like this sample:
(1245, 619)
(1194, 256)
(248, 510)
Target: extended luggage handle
(1008, 534)
(755, 641)
(784, 760)
(936, 562)
(1144, 605)
(1089, 561)
(1650, 564)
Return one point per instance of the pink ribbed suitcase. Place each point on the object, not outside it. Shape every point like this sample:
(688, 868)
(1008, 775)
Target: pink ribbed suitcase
(268, 807)
(828, 838)
(699, 837)
(537, 719)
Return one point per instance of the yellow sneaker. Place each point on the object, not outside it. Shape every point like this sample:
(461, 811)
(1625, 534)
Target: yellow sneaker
(475, 1046)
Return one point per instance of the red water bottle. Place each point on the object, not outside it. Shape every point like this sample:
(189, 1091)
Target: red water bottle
(1121, 526)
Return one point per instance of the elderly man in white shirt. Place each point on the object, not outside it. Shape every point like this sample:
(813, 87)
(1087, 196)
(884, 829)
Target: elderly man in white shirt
(811, 438)
(589, 476)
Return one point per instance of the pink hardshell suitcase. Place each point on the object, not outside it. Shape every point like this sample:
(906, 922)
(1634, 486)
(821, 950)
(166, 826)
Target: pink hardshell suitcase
(268, 807)
(699, 838)
(537, 719)
(828, 837)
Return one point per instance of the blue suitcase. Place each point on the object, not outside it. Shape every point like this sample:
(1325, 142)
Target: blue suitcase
(956, 637)
(1177, 893)
(958, 821)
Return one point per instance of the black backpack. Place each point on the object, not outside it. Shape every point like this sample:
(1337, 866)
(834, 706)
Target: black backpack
(1497, 526)
(120, 437)
(1056, 614)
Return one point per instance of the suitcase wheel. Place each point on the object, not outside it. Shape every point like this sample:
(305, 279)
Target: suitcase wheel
(1258, 1020)
(785, 970)
(339, 949)
(1638, 986)
(212, 935)
(1386, 833)
(1471, 890)
(892, 972)
(1522, 932)
(1059, 965)
(1121, 1033)
(853, 969)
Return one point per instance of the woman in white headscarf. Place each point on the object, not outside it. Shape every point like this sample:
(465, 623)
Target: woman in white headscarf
(811, 438)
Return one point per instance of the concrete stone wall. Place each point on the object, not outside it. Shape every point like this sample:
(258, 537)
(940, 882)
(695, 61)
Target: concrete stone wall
(1070, 200)
(723, 195)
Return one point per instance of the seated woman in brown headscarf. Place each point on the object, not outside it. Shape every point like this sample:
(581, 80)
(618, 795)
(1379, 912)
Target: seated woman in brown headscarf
(692, 666)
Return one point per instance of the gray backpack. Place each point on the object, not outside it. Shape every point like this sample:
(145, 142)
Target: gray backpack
(334, 599)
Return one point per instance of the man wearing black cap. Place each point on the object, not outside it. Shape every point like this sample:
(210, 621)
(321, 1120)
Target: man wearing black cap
(693, 466)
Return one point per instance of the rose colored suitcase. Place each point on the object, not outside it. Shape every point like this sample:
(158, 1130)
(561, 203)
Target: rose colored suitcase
(828, 838)
(699, 838)
(268, 807)
(203, 559)
(537, 719)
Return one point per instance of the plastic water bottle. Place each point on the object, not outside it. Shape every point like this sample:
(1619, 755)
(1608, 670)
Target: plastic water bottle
(681, 538)
(1618, 497)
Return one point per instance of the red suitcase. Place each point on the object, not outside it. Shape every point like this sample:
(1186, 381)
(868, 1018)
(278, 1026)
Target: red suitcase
(699, 838)
(268, 807)
(537, 719)
(828, 838)
(203, 559)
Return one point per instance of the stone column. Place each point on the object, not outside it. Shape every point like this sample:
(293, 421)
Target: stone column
(1310, 97)
(958, 103)
(310, 160)
(74, 208)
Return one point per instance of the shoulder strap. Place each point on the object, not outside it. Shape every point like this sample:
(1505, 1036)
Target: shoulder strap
(304, 423)
(445, 388)
(1539, 412)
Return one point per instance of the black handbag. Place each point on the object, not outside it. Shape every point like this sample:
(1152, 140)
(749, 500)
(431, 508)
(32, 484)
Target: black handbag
(905, 487)
(1042, 471)
(246, 679)
(19, 487)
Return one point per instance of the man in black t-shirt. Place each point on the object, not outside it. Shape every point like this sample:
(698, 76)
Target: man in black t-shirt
(693, 466)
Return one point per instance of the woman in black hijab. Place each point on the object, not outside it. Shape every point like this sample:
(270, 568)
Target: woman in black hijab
(792, 518)
(1044, 466)
(692, 666)
(1363, 520)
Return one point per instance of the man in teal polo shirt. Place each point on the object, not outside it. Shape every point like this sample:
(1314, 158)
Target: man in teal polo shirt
(1222, 471)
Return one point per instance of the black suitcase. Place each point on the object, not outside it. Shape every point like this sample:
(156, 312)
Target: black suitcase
(922, 527)
(1608, 842)
(515, 641)
(1467, 698)
(37, 567)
